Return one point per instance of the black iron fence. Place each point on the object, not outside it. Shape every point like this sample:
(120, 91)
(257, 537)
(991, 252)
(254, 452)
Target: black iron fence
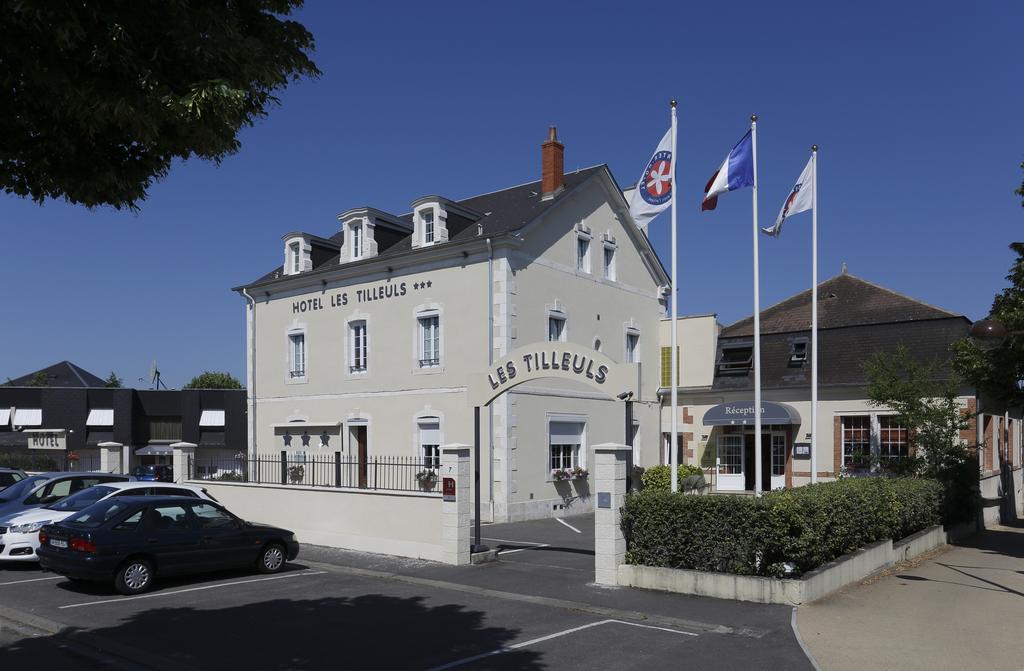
(402, 474)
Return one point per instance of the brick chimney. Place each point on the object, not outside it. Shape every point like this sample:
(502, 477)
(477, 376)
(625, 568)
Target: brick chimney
(552, 172)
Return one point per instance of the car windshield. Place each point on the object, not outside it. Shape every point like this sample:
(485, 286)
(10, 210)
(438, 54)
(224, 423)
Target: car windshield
(98, 513)
(82, 499)
(18, 489)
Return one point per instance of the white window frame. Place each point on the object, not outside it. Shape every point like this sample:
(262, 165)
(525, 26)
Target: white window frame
(579, 455)
(429, 453)
(357, 366)
(721, 451)
(557, 315)
(295, 251)
(357, 242)
(631, 355)
(428, 219)
(583, 264)
(424, 360)
(294, 374)
(608, 269)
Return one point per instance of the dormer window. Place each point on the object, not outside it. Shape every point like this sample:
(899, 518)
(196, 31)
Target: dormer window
(298, 253)
(356, 240)
(736, 360)
(428, 227)
(797, 353)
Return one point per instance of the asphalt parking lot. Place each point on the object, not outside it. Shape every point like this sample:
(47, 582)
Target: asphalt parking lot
(531, 609)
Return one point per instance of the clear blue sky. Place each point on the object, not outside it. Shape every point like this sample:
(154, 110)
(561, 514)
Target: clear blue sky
(917, 108)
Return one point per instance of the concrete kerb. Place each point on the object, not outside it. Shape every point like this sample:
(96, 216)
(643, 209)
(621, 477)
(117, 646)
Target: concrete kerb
(824, 580)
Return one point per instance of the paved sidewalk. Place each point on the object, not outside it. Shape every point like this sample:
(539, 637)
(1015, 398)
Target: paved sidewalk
(962, 608)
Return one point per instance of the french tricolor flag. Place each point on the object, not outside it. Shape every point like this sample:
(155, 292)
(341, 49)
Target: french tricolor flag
(736, 172)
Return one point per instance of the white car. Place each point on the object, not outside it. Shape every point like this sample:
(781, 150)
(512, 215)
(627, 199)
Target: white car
(19, 533)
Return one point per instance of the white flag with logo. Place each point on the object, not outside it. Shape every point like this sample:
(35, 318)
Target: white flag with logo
(653, 192)
(798, 200)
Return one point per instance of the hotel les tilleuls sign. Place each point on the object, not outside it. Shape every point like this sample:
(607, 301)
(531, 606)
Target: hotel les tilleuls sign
(556, 360)
(47, 440)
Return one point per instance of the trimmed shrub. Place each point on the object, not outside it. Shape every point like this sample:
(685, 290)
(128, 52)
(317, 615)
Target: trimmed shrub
(660, 477)
(803, 527)
(28, 462)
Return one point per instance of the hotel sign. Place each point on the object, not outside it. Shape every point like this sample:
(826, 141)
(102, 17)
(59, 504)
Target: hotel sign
(47, 440)
(560, 360)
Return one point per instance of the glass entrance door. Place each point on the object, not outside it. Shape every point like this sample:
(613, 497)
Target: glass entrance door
(778, 463)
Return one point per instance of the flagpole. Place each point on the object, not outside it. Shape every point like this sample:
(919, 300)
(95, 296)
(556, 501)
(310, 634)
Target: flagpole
(757, 321)
(674, 448)
(814, 313)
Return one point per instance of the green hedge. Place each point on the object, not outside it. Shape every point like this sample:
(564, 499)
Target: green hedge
(660, 477)
(807, 526)
(28, 462)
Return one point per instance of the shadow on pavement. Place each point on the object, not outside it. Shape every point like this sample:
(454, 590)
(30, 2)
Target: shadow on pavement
(370, 631)
(98, 588)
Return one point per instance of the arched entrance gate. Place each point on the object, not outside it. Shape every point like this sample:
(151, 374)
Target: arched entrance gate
(559, 360)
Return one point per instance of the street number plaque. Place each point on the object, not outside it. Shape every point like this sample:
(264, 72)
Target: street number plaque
(604, 499)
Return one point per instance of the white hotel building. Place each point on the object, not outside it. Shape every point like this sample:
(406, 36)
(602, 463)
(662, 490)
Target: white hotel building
(368, 340)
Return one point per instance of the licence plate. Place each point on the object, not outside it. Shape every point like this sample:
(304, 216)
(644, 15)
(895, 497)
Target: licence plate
(57, 543)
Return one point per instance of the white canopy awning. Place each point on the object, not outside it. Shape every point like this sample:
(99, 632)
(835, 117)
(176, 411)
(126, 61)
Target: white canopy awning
(100, 417)
(212, 418)
(28, 416)
(5, 416)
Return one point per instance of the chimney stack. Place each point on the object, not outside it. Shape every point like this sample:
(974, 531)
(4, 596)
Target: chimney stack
(552, 171)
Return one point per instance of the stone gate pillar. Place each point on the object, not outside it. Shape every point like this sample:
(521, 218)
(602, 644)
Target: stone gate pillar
(610, 485)
(455, 511)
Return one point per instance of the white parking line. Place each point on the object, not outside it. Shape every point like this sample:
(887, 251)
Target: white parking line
(536, 546)
(541, 639)
(18, 582)
(558, 519)
(297, 574)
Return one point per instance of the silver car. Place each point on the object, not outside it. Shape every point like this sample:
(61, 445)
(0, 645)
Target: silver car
(47, 488)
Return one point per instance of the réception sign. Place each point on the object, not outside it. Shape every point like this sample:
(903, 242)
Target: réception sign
(565, 361)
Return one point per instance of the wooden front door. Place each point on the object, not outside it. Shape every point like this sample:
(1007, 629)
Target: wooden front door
(359, 437)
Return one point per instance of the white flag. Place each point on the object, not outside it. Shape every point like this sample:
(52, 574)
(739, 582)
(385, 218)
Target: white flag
(653, 193)
(798, 200)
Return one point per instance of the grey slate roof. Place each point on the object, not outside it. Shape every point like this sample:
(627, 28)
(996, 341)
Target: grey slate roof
(62, 374)
(504, 211)
(844, 300)
(856, 319)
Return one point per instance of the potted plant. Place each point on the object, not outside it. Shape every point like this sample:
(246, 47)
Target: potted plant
(296, 473)
(427, 477)
(579, 473)
(72, 460)
(561, 474)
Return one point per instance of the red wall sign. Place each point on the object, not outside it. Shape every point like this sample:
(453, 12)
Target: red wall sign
(448, 489)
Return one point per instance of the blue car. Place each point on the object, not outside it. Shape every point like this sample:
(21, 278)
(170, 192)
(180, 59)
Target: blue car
(153, 473)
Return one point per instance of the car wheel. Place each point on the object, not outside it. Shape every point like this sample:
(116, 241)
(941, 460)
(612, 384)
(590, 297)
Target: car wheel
(271, 559)
(134, 577)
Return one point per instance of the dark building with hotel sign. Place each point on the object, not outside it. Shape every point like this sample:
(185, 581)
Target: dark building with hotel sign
(67, 423)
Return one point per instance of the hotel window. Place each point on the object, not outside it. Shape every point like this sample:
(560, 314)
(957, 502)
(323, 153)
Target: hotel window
(778, 454)
(556, 328)
(893, 438)
(430, 340)
(296, 256)
(730, 455)
(357, 347)
(428, 227)
(165, 428)
(856, 441)
(430, 442)
(798, 354)
(565, 441)
(297, 344)
(666, 366)
(583, 253)
(735, 360)
(609, 262)
(632, 344)
(357, 240)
